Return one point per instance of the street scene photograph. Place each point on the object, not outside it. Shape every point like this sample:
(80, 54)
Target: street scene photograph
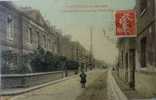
(77, 49)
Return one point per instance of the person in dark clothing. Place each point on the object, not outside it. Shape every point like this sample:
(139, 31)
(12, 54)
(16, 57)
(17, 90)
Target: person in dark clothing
(83, 79)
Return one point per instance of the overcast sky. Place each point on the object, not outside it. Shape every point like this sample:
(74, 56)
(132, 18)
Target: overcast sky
(77, 24)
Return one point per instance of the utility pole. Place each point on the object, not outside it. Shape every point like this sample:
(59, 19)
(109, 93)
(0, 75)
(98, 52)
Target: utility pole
(91, 48)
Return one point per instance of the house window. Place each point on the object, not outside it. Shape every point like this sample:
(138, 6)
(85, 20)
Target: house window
(151, 45)
(150, 29)
(49, 44)
(38, 39)
(143, 52)
(55, 50)
(2, 21)
(44, 41)
(52, 46)
(29, 36)
(10, 27)
(143, 6)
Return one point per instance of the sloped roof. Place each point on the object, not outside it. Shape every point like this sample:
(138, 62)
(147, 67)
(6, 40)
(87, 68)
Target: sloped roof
(34, 14)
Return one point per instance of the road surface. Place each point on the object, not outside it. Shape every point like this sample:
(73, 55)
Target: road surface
(69, 89)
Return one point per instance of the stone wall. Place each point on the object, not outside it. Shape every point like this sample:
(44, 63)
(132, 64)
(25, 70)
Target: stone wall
(28, 80)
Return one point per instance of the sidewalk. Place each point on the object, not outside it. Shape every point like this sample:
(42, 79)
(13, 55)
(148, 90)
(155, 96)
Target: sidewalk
(114, 92)
(66, 90)
(145, 87)
(9, 93)
(6, 94)
(146, 84)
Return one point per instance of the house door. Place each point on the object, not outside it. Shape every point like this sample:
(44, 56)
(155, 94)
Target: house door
(126, 67)
(143, 52)
(132, 68)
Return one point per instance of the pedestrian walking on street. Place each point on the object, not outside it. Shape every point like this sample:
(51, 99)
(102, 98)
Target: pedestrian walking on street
(83, 79)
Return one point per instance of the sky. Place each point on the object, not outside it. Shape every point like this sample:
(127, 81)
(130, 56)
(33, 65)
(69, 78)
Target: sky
(78, 24)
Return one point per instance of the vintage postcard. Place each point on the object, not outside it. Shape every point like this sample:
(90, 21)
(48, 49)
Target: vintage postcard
(77, 49)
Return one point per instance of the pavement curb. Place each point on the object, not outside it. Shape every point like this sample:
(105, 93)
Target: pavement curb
(114, 91)
(22, 91)
(17, 92)
(19, 97)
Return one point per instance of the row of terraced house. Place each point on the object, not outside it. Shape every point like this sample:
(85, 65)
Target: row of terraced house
(23, 30)
(138, 55)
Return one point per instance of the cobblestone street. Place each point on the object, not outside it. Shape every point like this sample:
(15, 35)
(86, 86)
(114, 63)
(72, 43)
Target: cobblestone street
(70, 89)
